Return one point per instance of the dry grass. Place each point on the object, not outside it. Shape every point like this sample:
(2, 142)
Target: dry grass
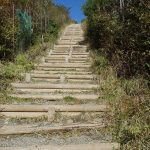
(130, 106)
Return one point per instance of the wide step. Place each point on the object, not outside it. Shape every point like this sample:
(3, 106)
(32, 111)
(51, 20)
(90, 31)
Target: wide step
(29, 129)
(53, 86)
(25, 91)
(97, 146)
(55, 97)
(58, 108)
(61, 72)
(48, 76)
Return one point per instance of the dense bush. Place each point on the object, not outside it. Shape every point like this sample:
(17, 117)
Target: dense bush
(126, 41)
(120, 40)
(129, 103)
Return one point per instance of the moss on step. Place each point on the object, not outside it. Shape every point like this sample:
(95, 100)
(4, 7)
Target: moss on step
(69, 99)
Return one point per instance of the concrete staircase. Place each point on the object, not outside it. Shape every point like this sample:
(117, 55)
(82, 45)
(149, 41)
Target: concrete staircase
(64, 80)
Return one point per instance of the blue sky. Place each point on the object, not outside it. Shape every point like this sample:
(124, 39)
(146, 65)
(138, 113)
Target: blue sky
(75, 5)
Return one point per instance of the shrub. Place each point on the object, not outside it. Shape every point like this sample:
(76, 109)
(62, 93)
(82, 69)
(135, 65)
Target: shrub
(125, 43)
(122, 38)
(23, 61)
(9, 71)
(129, 103)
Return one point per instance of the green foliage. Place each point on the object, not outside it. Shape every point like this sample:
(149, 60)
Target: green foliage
(69, 99)
(9, 71)
(97, 32)
(52, 32)
(129, 102)
(132, 122)
(123, 39)
(53, 28)
(125, 43)
(99, 63)
(6, 41)
(134, 86)
(23, 2)
(23, 60)
(18, 31)
(18, 49)
(35, 51)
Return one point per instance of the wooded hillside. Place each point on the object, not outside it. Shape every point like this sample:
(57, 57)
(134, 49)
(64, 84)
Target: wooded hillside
(119, 36)
(22, 21)
(121, 31)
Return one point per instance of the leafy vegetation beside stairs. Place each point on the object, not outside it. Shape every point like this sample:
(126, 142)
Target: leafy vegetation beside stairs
(19, 50)
(118, 35)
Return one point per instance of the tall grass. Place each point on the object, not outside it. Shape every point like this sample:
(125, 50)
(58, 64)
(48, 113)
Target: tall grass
(129, 103)
(120, 41)
(47, 20)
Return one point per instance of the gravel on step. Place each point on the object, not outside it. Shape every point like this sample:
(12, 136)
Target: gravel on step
(38, 139)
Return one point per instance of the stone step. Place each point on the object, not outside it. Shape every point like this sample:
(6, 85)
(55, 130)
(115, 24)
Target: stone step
(70, 43)
(55, 97)
(73, 53)
(74, 30)
(64, 61)
(75, 49)
(75, 27)
(51, 91)
(61, 48)
(62, 69)
(74, 35)
(68, 46)
(81, 37)
(44, 115)
(53, 86)
(29, 129)
(23, 114)
(80, 48)
(65, 65)
(67, 58)
(67, 51)
(57, 108)
(71, 81)
(64, 56)
(93, 146)
(67, 43)
(67, 62)
(62, 72)
(69, 40)
(74, 38)
(75, 45)
(56, 76)
(69, 55)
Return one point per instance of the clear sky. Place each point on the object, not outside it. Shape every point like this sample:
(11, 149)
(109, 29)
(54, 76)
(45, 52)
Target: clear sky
(75, 5)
